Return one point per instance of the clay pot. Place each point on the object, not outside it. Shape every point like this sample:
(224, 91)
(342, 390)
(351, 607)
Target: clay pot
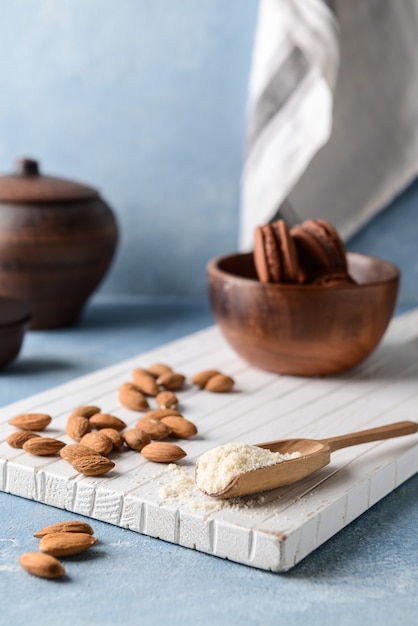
(57, 240)
(14, 321)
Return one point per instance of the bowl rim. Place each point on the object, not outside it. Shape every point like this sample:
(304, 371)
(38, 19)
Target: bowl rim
(16, 325)
(214, 269)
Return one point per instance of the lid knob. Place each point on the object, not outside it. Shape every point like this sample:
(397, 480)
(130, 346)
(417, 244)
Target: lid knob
(27, 167)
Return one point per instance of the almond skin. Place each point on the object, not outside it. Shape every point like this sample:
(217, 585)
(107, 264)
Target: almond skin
(180, 427)
(145, 382)
(93, 464)
(158, 414)
(105, 420)
(171, 381)
(65, 527)
(162, 452)
(75, 451)
(114, 436)
(219, 384)
(66, 544)
(77, 426)
(136, 439)
(43, 446)
(43, 565)
(86, 411)
(16, 440)
(167, 400)
(31, 421)
(132, 397)
(201, 378)
(154, 428)
(157, 369)
(97, 442)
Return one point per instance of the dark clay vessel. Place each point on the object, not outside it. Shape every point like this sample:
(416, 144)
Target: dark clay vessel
(57, 240)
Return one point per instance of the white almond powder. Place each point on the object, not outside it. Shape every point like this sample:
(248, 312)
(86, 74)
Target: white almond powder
(219, 466)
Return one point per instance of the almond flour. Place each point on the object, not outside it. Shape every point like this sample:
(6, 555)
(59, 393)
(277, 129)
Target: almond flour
(219, 466)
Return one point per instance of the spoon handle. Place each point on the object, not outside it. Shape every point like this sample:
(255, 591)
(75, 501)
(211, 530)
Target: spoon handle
(372, 434)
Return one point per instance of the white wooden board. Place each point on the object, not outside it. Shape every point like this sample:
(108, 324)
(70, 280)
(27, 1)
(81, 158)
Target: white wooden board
(274, 531)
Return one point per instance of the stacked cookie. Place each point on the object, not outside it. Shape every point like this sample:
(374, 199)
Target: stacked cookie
(309, 253)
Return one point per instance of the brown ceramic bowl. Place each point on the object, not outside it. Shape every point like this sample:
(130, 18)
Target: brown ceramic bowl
(302, 330)
(14, 321)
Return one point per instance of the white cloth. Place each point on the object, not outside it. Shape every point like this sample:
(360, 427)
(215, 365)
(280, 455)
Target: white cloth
(332, 110)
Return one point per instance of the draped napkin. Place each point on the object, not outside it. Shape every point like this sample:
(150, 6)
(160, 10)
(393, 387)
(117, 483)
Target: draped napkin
(332, 111)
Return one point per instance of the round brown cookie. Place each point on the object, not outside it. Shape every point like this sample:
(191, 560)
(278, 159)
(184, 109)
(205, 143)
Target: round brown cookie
(275, 255)
(320, 250)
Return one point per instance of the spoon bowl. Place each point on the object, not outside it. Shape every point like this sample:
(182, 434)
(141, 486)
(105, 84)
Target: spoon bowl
(314, 454)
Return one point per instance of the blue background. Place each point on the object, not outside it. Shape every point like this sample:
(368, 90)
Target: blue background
(146, 101)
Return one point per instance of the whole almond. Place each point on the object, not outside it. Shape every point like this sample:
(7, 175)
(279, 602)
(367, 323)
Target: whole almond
(16, 440)
(136, 439)
(145, 382)
(75, 451)
(93, 464)
(158, 414)
(162, 452)
(97, 442)
(157, 369)
(142, 370)
(167, 400)
(66, 544)
(77, 426)
(105, 420)
(114, 436)
(132, 397)
(31, 421)
(43, 446)
(219, 384)
(179, 426)
(65, 527)
(43, 565)
(201, 378)
(86, 411)
(154, 428)
(171, 380)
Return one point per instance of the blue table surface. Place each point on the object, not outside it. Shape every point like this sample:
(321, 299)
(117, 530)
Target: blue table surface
(366, 574)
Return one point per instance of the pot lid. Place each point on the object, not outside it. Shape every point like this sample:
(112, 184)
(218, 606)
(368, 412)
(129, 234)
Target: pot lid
(28, 185)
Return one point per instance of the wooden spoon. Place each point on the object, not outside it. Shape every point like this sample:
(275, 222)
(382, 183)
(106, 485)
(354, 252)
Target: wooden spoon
(315, 453)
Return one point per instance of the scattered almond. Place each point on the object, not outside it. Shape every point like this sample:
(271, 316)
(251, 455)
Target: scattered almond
(16, 440)
(219, 383)
(66, 543)
(97, 442)
(171, 380)
(201, 378)
(105, 420)
(77, 426)
(86, 411)
(43, 565)
(162, 452)
(145, 382)
(132, 397)
(114, 436)
(154, 428)
(31, 421)
(65, 527)
(136, 439)
(75, 451)
(167, 400)
(158, 414)
(157, 369)
(179, 426)
(43, 446)
(92, 464)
